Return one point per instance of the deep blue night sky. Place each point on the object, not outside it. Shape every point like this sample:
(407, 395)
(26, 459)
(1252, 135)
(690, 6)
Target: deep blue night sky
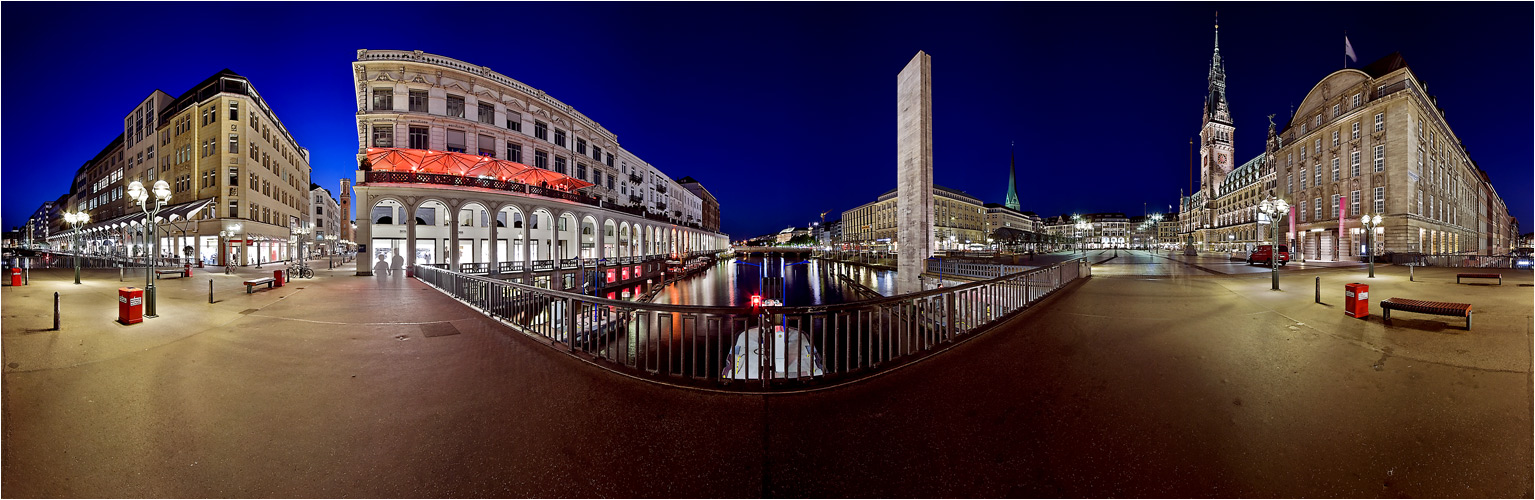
(787, 110)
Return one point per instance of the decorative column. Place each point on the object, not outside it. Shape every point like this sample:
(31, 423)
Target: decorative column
(453, 236)
(410, 238)
(495, 261)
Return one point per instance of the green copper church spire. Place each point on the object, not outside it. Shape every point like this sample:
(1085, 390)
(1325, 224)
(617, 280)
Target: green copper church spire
(1012, 188)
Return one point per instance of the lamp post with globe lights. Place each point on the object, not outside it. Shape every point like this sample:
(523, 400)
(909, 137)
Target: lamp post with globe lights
(1274, 208)
(75, 219)
(1082, 227)
(162, 194)
(1370, 222)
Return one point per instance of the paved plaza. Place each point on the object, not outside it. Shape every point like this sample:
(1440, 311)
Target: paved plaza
(1153, 378)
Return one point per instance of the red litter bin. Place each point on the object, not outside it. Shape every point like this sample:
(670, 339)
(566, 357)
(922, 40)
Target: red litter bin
(1356, 300)
(15, 276)
(278, 275)
(130, 305)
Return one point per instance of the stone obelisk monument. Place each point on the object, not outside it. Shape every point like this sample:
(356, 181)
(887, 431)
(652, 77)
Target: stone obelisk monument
(914, 172)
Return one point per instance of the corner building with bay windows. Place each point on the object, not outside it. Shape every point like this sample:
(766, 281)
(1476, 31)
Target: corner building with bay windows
(229, 162)
(464, 166)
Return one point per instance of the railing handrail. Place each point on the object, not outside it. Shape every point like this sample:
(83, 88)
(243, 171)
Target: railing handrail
(744, 310)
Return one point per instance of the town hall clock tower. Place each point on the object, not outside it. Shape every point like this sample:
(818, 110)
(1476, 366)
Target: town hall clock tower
(1215, 138)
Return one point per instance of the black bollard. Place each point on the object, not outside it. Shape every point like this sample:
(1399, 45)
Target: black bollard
(210, 290)
(55, 311)
(1319, 289)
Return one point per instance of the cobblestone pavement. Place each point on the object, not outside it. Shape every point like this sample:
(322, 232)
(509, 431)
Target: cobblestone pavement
(1191, 384)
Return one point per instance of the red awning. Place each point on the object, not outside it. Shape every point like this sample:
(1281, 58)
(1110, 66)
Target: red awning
(468, 165)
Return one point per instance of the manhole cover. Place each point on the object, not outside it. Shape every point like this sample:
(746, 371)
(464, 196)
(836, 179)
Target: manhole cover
(438, 329)
(248, 311)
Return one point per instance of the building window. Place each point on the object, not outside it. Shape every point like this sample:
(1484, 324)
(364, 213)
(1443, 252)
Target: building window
(383, 135)
(540, 130)
(1318, 120)
(1335, 170)
(418, 99)
(234, 208)
(513, 121)
(1380, 200)
(1317, 147)
(1356, 131)
(1356, 100)
(581, 171)
(514, 152)
(1380, 122)
(559, 164)
(456, 141)
(456, 106)
(610, 182)
(234, 176)
(1317, 208)
(580, 145)
(541, 159)
(1353, 168)
(559, 138)
(1353, 203)
(487, 113)
(1318, 176)
(1335, 110)
(234, 145)
(596, 176)
(1335, 138)
(419, 138)
(597, 154)
(610, 159)
(487, 146)
(383, 99)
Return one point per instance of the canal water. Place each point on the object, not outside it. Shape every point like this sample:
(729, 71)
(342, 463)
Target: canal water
(797, 282)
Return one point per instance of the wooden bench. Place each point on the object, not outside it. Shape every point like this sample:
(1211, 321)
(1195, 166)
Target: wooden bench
(1496, 276)
(1426, 307)
(251, 284)
(180, 273)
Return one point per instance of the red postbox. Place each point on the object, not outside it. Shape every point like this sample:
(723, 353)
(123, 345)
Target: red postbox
(1356, 300)
(130, 305)
(15, 276)
(278, 275)
(189, 269)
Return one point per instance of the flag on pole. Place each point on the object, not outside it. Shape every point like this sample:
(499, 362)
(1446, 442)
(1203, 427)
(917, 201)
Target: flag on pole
(1348, 50)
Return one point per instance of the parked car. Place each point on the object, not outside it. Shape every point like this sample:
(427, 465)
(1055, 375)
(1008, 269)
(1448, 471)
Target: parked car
(1265, 254)
(1522, 257)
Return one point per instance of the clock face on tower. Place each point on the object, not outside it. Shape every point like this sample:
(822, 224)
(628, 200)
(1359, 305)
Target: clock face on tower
(1220, 159)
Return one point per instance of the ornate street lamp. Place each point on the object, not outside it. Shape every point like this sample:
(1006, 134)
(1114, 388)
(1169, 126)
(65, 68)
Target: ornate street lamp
(162, 193)
(224, 236)
(75, 219)
(1370, 222)
(1274, 208)
(233, 232)
(1082, 227)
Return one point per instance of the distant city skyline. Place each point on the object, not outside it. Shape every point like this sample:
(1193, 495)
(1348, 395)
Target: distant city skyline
(782, 111)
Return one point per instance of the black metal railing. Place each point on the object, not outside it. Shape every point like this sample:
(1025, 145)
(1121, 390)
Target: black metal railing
(755, 348)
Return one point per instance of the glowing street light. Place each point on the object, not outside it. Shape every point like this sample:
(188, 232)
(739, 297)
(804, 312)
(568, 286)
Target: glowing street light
(75, 219)
(1274, 208)
(1370, 222)
(137, 193)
